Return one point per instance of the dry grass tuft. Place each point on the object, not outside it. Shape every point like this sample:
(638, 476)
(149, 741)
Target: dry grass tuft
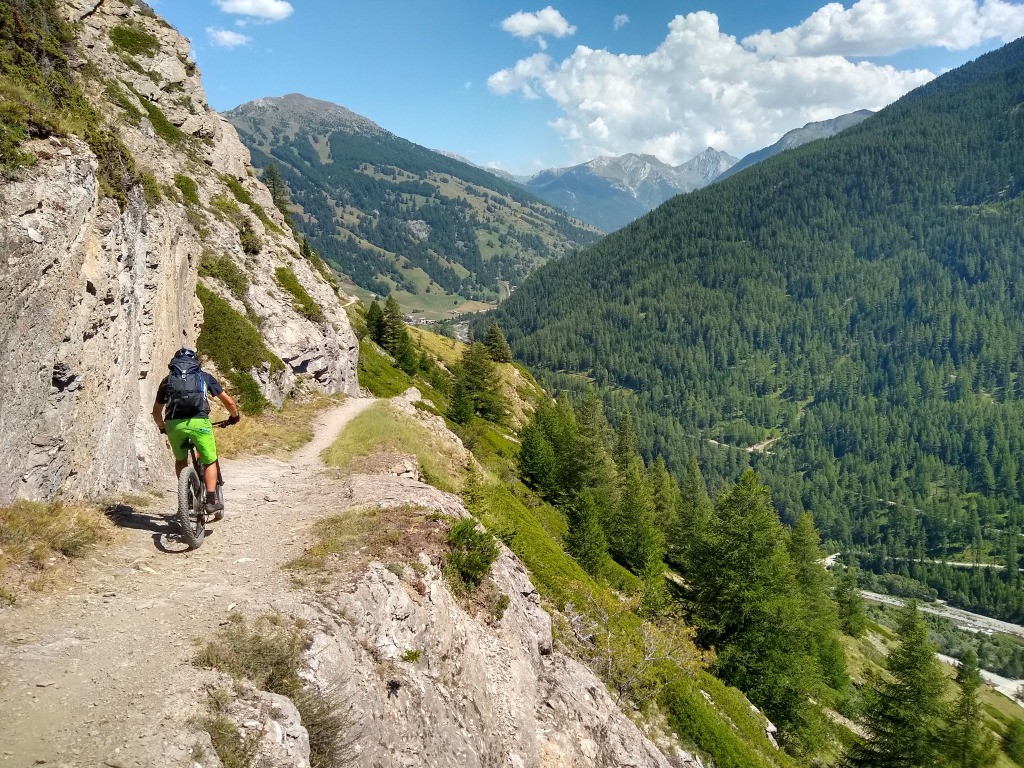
(273, 433)
(36, 536)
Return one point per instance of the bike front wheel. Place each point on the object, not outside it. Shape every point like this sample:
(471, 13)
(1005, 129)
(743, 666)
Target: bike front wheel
(191, 507)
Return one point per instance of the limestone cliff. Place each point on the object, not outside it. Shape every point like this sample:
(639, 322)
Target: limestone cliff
(96, 293)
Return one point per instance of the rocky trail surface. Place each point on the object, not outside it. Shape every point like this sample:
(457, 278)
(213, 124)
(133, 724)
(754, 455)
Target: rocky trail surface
(100, 674)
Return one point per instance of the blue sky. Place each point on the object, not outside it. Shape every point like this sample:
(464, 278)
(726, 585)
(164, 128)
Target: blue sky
(532, 86)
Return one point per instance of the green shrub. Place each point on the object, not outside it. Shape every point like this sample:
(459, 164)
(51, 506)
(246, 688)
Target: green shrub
(222, 267)
(471, 553)
(302, 302)
(134, 41)
(249, 240)
(250, 397)
(163, 127)
(378, 375)
(229, 339)
(119, 97)
(151, 189)
(189, 189)
(243, 196)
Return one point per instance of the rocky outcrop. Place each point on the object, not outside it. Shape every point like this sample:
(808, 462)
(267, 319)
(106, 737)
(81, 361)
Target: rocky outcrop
(429, 680)
(96, 294)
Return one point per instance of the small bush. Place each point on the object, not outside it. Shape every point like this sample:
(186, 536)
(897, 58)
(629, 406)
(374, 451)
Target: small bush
(134, 41)
(151, 189)
(229, 339)
(243, 196)
(250, 397)
(412, 656)
(269, 654)
(302, 302)
(189, 189)
(163, 127)
(470, 555)
(222, 267)
(233, 749)
(249, 240)
(119, 97)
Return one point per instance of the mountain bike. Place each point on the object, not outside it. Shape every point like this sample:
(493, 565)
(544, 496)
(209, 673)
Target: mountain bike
(192, 515)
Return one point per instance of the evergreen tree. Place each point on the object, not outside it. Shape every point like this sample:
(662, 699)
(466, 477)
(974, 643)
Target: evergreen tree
(821, 614)
(460, 409)
(902, 713)
(1013, 739)
(686, 541)
(482, 383)
(851, 605)
(496, 344)
(746, 604)
(375, 322)
(394, 325)
(666, 498)
(278, 190)
(967, 742)
(537, 460)
(585, 538)
(625, 441)
(405, 354)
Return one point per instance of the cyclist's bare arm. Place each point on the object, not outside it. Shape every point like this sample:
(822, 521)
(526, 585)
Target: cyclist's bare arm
(230, 404)
(158, 416)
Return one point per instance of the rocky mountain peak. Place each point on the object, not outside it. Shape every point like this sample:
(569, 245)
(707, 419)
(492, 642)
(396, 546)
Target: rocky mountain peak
(295, 111)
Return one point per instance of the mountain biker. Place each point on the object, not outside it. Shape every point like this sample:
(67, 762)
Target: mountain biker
(182, 412)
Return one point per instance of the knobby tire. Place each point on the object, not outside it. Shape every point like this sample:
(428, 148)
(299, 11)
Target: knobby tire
(191, 507)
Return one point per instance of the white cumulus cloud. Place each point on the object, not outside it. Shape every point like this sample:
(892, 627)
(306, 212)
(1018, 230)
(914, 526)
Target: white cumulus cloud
(620, 21)
(885, 27)
(537, 25)
(701, 87)
(271, 10)
(226, 38)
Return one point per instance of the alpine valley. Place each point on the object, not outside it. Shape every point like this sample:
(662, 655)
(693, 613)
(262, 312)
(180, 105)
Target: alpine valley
(393, 216)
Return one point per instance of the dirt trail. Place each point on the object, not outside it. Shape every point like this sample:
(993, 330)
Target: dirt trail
(100, 674)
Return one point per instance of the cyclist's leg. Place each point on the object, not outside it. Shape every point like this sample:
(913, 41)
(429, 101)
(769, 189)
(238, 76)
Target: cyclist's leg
(210, 476)
(177, 434)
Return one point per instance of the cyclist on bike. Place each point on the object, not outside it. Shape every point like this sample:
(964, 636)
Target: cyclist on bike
(182, 412)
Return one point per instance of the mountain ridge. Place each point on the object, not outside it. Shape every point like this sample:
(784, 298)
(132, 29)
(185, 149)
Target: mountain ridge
(393, 216)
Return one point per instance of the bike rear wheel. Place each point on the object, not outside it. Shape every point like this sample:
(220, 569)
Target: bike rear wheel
(191, 507)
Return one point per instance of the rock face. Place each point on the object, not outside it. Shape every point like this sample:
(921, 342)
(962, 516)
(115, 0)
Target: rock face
(427, 684)
(95, 295)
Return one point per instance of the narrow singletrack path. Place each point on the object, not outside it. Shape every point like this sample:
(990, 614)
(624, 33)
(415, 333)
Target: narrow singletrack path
(100, 673)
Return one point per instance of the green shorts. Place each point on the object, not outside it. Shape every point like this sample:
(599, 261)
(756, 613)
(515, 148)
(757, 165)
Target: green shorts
(199, 431)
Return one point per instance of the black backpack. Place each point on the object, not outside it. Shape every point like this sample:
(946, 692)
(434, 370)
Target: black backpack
(186, 389)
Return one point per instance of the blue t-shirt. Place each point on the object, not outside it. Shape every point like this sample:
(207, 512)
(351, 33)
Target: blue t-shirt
(213, 388)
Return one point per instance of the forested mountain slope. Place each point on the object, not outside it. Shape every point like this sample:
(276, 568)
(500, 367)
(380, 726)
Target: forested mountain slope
(395, 216)
(845, 317)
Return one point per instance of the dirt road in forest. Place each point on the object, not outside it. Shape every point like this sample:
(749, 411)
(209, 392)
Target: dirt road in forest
(100, 674)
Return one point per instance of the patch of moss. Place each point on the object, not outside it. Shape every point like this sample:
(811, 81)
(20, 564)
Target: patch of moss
(134, 41)
(189, 190)
(302, 302)
(229, 339)
(222, 267)
(119, 97)
(163, 127)
(242, 195)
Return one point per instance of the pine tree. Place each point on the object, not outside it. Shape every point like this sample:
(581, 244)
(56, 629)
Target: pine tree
(405, 354)
(278, 190)
(394, 324)
(482, 383)
(851, 606)
(537, 460)
(375, 322)
(625, 441)
(821, 614)
(902, 713)
(746, 604)
(634, 538)
(585, 537)
(967, 742)
(460, 409)
(686, 540)
(496, 344)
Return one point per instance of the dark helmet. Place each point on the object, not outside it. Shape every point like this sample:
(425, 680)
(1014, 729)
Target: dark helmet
(187, 352)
